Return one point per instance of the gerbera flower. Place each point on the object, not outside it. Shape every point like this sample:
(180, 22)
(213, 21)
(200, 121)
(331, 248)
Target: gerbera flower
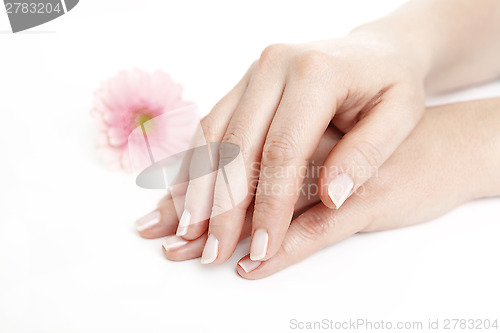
(139, 100)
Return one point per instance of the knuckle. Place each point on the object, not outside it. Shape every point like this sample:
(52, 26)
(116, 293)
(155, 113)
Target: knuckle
(310, 227)
(289, 247)
(222, 203)
(311, 63)
(218, 207)
(236, 137)
(209, 128)
(271, 54)
(367, 154)
(233, 143)
(265, 202)
(252, 68)
(279, 150)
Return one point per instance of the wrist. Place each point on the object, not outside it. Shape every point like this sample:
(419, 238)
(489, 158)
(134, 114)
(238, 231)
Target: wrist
(411, 51)
(487, 143)
(472, 146)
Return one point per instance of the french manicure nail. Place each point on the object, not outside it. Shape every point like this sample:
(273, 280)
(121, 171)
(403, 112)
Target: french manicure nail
(173, 242)
(340, 189)
(148, 221)
(210, 251)
(183, 223)
(258, 248)
(249, 265)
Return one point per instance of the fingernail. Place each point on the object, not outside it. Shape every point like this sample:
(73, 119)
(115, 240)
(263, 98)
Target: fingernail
(340, 189)
(183, 223)
(173, 242)
(210, 251)
(258, 249)
(148, 221)
(249, 265)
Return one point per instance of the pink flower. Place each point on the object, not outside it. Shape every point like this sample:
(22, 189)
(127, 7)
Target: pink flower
(134, 98)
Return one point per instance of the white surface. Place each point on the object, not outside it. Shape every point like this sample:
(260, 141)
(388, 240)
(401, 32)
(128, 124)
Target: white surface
(70, 260)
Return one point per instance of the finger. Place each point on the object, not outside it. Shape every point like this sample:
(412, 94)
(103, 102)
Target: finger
(198, 199)
(358, 156)
(199, 196)
(309, 192)
(310, 232)
(303, 116)
(177, 248)
(160, 222)
(238, 175)
(164, 220)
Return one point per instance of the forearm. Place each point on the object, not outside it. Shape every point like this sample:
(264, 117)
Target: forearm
(470, 133)
(482, 119)
(452, 42)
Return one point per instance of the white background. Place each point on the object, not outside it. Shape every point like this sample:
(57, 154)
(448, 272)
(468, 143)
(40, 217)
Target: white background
(70, 260)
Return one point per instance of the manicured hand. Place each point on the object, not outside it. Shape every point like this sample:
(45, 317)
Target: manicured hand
(433, 171)
(452, 157)
(277, 114)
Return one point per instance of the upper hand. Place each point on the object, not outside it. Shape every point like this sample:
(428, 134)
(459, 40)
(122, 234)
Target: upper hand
(277, 115)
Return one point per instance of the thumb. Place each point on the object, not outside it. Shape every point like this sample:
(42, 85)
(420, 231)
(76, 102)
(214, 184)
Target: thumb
(359, 154)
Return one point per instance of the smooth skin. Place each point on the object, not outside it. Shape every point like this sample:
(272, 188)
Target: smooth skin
(433, 171)
(370, 85)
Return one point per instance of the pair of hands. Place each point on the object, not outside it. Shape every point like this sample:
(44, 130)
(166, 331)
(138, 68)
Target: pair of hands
(433, 171)
(369, 86)
(277, 115)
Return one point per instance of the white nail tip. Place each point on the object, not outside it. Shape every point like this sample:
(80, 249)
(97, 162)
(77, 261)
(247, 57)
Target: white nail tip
(258, 248)
(181, 231)
(148, 221)
(249, 265)
(210, 251)
(183, 223)
(173, 242)
(340, 189)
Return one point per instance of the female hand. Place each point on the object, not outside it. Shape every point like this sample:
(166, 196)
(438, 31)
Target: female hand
(368, 84)
(433, 171)
(277, 114)
(452, 157)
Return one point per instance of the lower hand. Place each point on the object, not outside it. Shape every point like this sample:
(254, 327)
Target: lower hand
(434, 170)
